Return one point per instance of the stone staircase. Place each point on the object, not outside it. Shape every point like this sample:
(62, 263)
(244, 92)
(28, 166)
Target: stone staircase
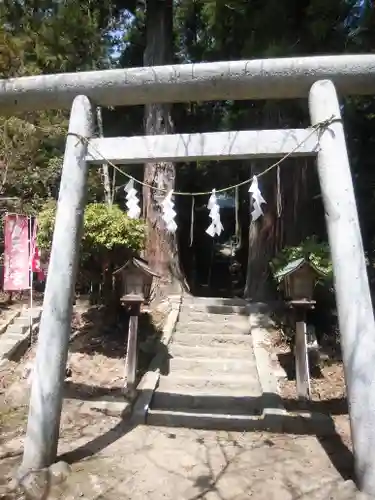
(17, 335)
(210, 379)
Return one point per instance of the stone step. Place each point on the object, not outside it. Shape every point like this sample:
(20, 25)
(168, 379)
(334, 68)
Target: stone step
(35, 314)
(209, 367)
(231, 383)
(210, 421)
(207, 403)
(213, 331)
(178, 350)
(23, 321)
(205, 317)
(9, 337)
(209, 339)
(214, 301)
(7, 343)
(18, 322)
(8, 346)
(20, 326)
(14, 329)
(213, 327)
(222, 400)
(214, 309)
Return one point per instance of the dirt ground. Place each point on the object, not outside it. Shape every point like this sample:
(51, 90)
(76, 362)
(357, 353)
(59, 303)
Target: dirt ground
(96, 368)
(327, 390)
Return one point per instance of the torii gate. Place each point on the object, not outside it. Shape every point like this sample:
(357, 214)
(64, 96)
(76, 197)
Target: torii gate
(287, 78)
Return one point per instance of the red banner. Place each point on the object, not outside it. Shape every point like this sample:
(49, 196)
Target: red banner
(16, 253)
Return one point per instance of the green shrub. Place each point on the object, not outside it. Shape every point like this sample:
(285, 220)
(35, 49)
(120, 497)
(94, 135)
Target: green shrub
(105, 228)
(108, 237)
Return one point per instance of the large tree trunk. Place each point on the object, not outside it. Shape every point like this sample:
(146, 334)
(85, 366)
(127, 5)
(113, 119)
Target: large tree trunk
(264, 238)
(161, 247)
(300, 215)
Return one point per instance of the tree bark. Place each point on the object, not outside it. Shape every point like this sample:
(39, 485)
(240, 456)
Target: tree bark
(263, 242)
(301, 216)
(300, 213)
(161, 247)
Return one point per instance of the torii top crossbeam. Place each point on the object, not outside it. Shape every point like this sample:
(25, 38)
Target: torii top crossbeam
(284, 78)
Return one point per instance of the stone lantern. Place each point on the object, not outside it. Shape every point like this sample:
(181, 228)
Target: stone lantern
(136, 281)
(298, 279)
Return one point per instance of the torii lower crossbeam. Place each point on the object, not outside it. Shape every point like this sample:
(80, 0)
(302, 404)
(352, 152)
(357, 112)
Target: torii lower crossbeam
(234, 145)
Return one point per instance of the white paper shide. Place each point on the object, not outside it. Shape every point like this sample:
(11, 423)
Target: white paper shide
(132, 201)
(169, 213)
(258, 199)
(216, 227)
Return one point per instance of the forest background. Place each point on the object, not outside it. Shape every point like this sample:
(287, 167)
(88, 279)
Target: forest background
(53, 36)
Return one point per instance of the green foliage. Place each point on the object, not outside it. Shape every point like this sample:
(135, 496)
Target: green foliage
(311, 249)
(38, 38)
(46, 223)
(107, 229)
(50, 36)
(31, 153)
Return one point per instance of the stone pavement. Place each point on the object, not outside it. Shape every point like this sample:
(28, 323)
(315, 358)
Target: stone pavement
(184, 464)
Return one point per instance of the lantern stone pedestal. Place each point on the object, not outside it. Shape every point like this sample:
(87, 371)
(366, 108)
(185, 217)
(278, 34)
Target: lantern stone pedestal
(134, 306)
(300, 308)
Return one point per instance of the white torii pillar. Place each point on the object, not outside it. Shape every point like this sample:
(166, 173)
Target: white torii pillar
(355, 312)
(52, 349)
